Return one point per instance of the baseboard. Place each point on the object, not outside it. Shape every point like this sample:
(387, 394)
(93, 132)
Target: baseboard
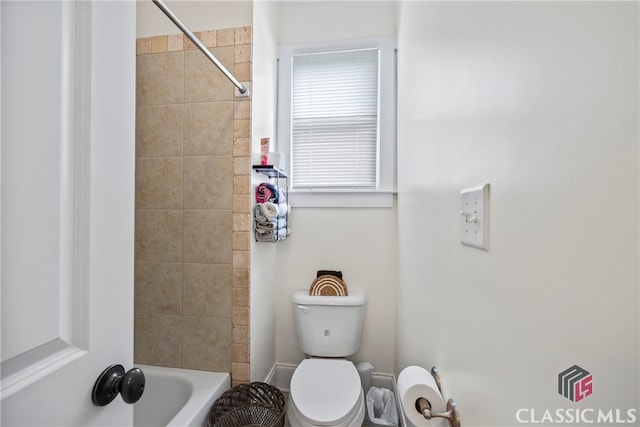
(280, 376)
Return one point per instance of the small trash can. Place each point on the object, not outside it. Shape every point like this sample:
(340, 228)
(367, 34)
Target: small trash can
(381, 407)
(254, 404)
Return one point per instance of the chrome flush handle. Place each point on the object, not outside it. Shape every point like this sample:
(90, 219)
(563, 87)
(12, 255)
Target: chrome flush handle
(304, 308)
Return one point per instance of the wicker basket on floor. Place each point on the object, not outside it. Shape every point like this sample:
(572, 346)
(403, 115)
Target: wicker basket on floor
(256, 401)
(251, 416)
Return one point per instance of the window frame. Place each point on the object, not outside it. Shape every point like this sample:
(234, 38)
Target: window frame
(383, 195)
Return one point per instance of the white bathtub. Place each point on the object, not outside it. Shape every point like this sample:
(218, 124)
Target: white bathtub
(178, 397)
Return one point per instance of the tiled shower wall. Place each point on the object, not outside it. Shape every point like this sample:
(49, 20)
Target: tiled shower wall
(192, 204)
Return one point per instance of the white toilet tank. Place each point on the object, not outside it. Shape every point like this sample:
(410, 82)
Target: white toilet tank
(329, 326)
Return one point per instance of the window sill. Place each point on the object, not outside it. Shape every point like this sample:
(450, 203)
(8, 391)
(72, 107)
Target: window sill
(342, 199)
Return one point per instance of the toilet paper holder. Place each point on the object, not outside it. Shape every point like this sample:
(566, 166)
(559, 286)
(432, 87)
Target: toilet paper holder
(424, 407)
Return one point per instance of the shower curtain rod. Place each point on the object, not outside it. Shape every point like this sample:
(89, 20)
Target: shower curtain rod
(200, 45)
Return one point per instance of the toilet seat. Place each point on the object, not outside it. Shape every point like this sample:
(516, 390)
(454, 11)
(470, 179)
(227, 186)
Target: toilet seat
(326, 392)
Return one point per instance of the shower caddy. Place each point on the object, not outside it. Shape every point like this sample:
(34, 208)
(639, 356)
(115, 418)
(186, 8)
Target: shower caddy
(275, 174)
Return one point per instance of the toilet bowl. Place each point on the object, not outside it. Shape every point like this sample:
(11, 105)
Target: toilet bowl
(326, 392)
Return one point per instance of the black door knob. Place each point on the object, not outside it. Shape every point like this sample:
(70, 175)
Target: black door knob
(114, 380)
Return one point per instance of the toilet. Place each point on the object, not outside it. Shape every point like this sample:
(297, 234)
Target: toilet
(325, 388)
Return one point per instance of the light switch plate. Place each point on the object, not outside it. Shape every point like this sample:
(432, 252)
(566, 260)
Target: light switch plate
(474, 217)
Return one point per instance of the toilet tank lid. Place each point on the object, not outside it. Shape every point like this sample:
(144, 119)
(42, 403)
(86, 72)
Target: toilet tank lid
(303, 297)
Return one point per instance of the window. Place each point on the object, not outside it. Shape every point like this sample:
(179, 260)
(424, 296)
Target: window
(334, 120)
(336, 123)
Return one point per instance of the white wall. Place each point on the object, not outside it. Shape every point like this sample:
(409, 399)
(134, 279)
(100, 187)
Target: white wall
(308, 22)
(196, 15)
(540, 99)
(264, 283)
(360, 242)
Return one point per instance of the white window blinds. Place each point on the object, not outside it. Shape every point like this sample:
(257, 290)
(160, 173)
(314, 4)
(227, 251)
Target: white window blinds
(335, 120)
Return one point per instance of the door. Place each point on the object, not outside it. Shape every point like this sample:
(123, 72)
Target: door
(67, 191)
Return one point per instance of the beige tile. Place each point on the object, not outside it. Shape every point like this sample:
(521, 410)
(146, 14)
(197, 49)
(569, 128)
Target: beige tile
(241, 184)
(242, 128)
(208, 129)
(159, 183)
(240, 297)
(240, 316)
(241, 240)
(242, 35)
(207, 237)
(240, 278)
(242, 110)
(160, 78)
(204, 81)
(175, 42)
(207, 290)
(159, 130)
(241, 203)
(207, 344)
(243, 72)
(208, 182)
(159, 44)
(188, 44)
(158, 340)
(209, 38)
(158, 288)
(158, 235)
(240, 334)
(241, 165)
(241, 259)
(241, 222)
(208, 231)
(242, 54)
(239, 373)
(240, 353)
(242, 147)
(226, 37)
(143, 45)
